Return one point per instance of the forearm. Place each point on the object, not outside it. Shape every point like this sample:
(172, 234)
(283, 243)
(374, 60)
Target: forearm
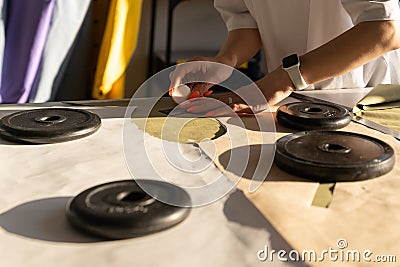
(352, 49)
(239, 47)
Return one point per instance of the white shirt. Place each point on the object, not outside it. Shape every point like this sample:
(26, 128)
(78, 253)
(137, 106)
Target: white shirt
(298, 26)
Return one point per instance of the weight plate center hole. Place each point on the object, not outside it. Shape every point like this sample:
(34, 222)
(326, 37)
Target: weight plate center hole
(334, 148)
(53, 119)
(135, 198)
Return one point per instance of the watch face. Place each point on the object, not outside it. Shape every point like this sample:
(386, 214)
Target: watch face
(290, 61)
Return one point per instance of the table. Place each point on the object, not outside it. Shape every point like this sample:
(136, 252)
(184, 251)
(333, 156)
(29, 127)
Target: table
(36, 181)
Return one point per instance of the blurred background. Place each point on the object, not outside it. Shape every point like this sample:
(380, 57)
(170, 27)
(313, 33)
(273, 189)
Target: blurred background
(57, 50)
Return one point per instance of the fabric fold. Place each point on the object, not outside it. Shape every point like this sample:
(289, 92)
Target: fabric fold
(382, 96)
(381, 105)
(26, 34)
(117, 47)
(67, 21)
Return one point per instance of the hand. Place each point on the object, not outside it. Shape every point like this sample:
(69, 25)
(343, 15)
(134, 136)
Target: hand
(249, 99)
(244, 101)
(200, 74)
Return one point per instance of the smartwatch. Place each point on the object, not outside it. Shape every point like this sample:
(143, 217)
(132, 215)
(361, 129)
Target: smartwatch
(291, 64)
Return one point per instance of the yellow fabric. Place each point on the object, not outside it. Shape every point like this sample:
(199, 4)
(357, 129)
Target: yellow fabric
(381, 105)
(380, 97)
(386, 117)
(117, 47)
(182, 130)
(323, 195)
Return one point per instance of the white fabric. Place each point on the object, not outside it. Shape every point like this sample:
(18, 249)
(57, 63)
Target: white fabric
(288, 27)
(67, 20)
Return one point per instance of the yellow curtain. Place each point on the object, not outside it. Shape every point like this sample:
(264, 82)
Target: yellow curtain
(117, 47)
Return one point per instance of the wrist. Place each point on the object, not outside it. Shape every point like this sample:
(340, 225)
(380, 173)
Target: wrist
(291, 65)
(283, 80)
(276, 86)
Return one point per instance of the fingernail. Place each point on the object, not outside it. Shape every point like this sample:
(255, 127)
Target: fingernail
(194, 94)
(192, 109)
(210, 114)
(171, 89)
(208, 93)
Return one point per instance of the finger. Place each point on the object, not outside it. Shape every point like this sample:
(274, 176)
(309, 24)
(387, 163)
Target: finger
(176, 77)
(191, 102)
(192, 109)
(201, 109)
(204, 106)
(186, 105)
(194, 94)
(219, 112)
(209, 92)
(172, 86)
(240, 109)
(202, 87)
(208, 106)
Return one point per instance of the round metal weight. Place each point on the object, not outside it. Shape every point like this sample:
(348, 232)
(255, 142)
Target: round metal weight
(334, 156)
(313, 116)
(49, 125)
(121, 209)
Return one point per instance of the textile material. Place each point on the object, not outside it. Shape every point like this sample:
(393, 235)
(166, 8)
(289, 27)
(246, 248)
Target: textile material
(381, 97)
(66, 23)
(386, 117)
(76, 75)
(34, 230)
(3, 18)
(26, 33)
(117, 47)
(307, 25)
(381, 105)
(358, 212)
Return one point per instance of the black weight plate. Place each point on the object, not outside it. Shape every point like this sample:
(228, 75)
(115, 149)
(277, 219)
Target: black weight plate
(334, 156)
(313, 116)
(49, 125)
(122, 209)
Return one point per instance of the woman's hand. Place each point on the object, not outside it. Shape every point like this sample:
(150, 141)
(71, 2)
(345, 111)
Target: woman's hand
(200, 74)
(249, 99)
(244, 101)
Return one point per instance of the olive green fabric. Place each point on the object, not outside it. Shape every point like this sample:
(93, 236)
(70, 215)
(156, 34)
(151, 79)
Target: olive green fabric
(383, 96)
(381, 105)
(386, 117)
(183, 130)
(323, 195)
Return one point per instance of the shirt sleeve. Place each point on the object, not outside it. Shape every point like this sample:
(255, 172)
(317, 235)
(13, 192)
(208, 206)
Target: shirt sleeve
(235, 14)
(369, 10)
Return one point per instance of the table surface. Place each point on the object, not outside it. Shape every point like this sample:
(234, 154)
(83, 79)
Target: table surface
(36, 181)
